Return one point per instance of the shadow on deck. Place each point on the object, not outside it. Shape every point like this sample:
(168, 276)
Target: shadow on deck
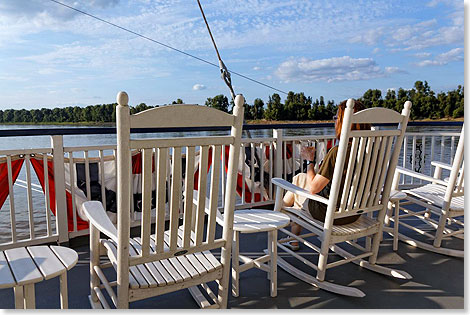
(438, 282)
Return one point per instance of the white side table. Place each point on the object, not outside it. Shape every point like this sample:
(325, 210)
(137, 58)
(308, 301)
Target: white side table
(395, 197)
(21, 268)
(254, 221)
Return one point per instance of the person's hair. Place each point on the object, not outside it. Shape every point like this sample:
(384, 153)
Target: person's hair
(358, 106)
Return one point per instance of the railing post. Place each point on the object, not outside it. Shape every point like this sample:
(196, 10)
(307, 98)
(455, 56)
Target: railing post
(57, 143)
(278, 143)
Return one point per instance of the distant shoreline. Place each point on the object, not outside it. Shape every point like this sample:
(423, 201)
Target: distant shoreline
(249, 122)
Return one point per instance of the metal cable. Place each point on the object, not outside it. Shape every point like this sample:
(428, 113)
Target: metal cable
(164, 45)
(225, 74)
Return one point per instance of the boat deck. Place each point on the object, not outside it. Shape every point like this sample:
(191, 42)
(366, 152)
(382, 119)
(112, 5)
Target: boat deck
(438, 283)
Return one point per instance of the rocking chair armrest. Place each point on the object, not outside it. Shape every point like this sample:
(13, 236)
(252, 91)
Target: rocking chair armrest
(405, 171)
(97, 215)
(297, 190)
(441, 165)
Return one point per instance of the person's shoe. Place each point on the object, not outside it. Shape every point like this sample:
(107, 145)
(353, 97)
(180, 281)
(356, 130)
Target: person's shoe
(292, 245)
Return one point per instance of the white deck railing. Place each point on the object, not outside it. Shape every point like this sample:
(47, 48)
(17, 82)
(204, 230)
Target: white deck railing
(27, 216)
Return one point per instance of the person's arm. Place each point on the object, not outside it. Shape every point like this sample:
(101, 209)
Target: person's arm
(315, 182)
(318, 182)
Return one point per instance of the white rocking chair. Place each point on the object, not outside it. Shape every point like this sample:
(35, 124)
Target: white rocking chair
(443, 198)
(180, 256)
(369, 173)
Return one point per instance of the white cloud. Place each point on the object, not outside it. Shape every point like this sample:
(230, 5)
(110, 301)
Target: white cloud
(277, 23)
(434, 3)
(444, 30)
(47, 71)
(332, 69)
(422, 55)
(256, 68)
(455, 54)
(198, 87)
(376, 50)
(369, 37)
(36, 8)
(104, 3)
(106, 61)
(391, 70)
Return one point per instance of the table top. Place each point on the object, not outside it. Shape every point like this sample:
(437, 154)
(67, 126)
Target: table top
(25, 265)
(396, 195)
(258, 220)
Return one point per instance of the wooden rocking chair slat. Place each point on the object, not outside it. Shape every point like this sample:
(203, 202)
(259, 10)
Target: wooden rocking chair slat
(202, 186)
(146, 199)
(349, 174)
(175, 198)
(214, 194)
(161, 198)
(188, 200)
(372, 170)
(378, 171)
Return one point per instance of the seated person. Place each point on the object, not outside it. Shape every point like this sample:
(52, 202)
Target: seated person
(320, 183)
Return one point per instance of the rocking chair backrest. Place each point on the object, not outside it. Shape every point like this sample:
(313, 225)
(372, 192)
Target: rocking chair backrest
(164, 161)
(369, 164)
(455, 185)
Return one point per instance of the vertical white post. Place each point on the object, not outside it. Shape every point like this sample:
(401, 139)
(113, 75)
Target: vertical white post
(236, 264)
(30, 197)
(29, 296)
(278, 144)
(19, 297)
(64, 299)
(12, 200)
(230, 199)
(57, 143)
(272, 250)
(123, 197)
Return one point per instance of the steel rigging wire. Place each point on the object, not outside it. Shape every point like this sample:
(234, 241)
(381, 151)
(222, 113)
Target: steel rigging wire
(167, 46)
(223, 69)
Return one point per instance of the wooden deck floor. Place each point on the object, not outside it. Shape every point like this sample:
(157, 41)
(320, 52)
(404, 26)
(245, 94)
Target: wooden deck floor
(438, 283)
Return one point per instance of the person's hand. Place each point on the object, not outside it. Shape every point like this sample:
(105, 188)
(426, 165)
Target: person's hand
(307, 153)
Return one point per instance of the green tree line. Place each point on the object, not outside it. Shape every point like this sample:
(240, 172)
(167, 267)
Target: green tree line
(296, 106)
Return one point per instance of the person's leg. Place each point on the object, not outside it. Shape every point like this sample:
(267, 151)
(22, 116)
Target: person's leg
(288, 201)
(291, 200)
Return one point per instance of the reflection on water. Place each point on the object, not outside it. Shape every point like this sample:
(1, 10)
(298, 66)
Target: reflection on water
(21, 204)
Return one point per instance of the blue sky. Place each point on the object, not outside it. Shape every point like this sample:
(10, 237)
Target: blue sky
(51, 56)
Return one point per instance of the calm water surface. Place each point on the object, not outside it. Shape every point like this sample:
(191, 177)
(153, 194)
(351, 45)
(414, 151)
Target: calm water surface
(21, 213)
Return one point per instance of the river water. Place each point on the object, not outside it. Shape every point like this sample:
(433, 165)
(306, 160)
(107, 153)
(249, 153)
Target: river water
(21, 213)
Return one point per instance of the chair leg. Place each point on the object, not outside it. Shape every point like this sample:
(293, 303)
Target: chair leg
(235, 264)
(94, 261)
(440, 230)
(389, 213)
(29, 296)
(375, 247)
(222, 294)
(64, 298)
(323, 260)
(19, 297)
(272, 250)
(396, 224)
(123, 290)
